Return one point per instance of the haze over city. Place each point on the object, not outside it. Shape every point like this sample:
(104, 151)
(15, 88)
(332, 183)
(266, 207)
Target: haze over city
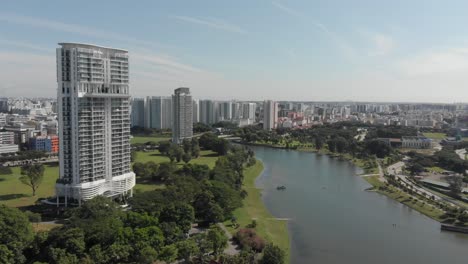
(251, 50)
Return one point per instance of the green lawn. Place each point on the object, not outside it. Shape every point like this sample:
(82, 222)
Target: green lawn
(14, 193)
(156, 139)
(207, 157)
(272, 230)
(438, 136)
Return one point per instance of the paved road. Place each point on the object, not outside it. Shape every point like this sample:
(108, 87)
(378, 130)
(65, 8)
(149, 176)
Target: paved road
(396, 170)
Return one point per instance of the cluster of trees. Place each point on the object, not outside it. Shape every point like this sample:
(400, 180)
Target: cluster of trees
(188, 150)
(24, 155)
(212, 194)
(337, 138)
(445, 158)
(201, 127)
(210, 141)
(100, 232)
(143, 131)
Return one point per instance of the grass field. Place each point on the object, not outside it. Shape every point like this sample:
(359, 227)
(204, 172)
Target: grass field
(272, 230)
(207, 157)
(404, 198)
(156, 139)
(438, 136)
(14, 193)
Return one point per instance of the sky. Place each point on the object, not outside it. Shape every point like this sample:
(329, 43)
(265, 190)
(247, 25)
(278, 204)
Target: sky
(302, 50)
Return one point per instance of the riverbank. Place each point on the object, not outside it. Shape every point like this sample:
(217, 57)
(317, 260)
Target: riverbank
(416, 202)
(272, 230)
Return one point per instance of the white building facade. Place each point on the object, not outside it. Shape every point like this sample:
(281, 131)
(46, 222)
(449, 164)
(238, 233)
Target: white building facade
(270, 115)
(182, 103)
(94, 122)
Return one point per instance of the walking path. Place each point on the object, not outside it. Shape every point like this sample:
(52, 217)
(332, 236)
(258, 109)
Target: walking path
(232, 248)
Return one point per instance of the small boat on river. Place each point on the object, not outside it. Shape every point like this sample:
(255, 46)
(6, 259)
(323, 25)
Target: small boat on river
(281, 188)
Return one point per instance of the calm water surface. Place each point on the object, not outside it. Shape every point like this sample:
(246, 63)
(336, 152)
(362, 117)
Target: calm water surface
(333, 220)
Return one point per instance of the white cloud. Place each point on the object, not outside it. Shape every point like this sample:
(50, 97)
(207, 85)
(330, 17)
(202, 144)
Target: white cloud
(435, 62)
(211, 22)
(383, 45)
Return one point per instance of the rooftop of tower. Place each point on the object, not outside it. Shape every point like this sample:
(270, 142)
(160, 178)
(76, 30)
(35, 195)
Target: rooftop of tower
(86, 45)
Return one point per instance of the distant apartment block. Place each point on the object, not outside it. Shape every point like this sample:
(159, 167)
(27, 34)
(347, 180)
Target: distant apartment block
(7, 138)
(270, 115)
(158, 112)
(196, 111)
(8, 148)
(182, 115)
(248, 110)
(208, 109)
(138, 112)
(4, 108)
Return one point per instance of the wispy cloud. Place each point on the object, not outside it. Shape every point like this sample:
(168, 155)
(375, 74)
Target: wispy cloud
(345, 48)
(212, 22)
(69, 28)
(287, 9)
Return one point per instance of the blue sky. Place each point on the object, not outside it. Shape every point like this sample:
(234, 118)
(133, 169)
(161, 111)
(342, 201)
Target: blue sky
(250, 49)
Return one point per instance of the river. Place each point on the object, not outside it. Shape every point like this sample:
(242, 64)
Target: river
(334, 220)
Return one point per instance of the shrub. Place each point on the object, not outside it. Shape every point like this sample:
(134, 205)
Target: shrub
(248, 238)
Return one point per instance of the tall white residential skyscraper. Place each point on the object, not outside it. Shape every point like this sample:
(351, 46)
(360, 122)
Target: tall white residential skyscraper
(138, 112)
(182, 115)
(94, 122)
(158, 112)
(270, 115)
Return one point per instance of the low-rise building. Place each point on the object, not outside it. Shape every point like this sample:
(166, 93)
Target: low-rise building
(44, 143)
(8, 148)
(417, 142)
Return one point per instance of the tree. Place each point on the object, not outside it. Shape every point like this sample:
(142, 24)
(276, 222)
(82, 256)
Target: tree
(415, 169)
(217, 239)
(164, 147)
(15, 234)
(168, 253)
(273, 255)
(139, 168)
(207, 141)
(318, 143)
(455, 184)
(187, 145)
(221, 146)
(32, 176)
(186, 157)
(195, 148)
(186, 249)
(331, 145)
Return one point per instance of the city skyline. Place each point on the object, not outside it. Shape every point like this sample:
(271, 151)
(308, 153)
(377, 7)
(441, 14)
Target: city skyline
(278, 50)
